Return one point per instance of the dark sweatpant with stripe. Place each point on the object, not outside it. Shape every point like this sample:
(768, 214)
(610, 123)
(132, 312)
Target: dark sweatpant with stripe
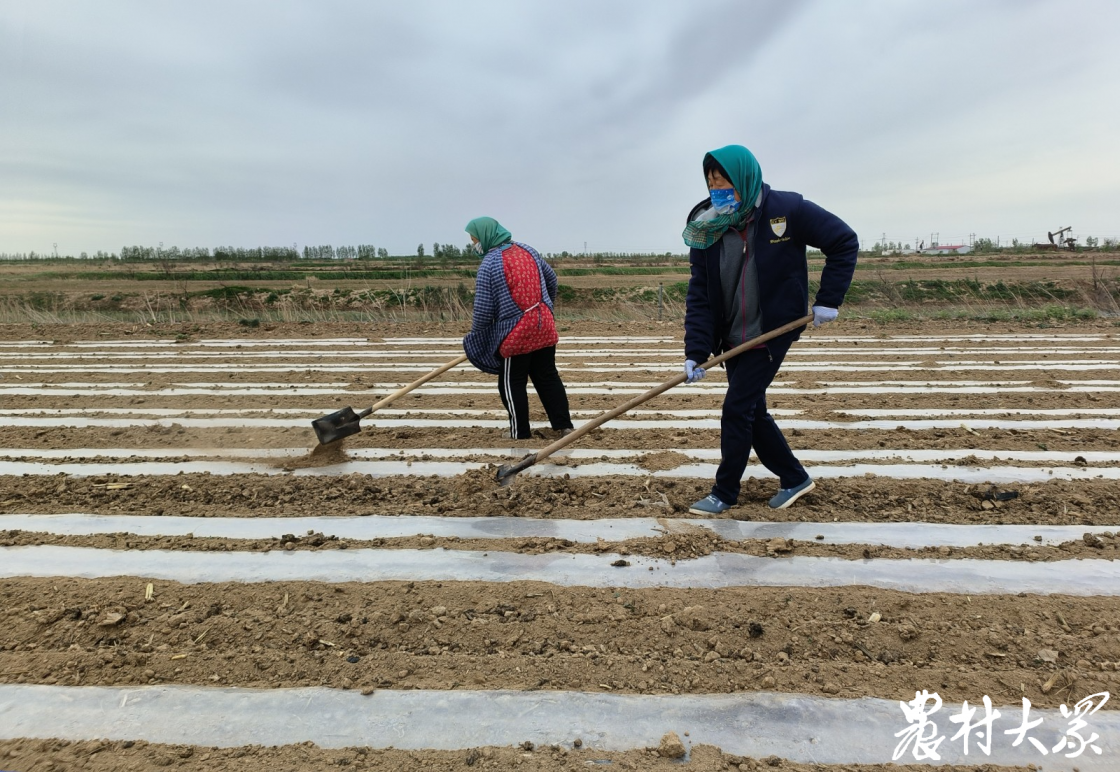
(540, 367)
(746, 423)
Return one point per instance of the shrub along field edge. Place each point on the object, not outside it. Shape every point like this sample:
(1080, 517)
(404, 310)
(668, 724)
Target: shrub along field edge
(873, 299)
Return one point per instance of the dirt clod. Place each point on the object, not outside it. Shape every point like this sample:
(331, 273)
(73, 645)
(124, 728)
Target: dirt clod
(671, 746)
(693, 618)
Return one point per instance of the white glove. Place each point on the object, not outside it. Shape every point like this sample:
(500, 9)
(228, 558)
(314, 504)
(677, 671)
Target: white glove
(692, 373)
(823, 315)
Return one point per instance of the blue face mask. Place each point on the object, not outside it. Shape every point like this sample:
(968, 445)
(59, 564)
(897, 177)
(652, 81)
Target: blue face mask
(723, 200)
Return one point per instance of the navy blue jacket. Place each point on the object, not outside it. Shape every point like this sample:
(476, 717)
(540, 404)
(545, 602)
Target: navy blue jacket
(785, 225)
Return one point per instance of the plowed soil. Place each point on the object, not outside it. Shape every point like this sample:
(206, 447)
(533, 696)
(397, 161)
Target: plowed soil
(99, 756)
(174, 437)
(843, 642)
(1095, 502)
(679, 545)
(527, 635)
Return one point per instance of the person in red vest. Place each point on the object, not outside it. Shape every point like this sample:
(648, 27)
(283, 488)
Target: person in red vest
(513, 332)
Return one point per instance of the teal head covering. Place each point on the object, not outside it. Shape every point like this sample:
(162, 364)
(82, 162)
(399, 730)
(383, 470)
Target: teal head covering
(745, 175)
(489, 233)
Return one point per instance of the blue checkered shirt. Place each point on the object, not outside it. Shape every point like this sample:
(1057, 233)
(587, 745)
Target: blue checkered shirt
(495, 312)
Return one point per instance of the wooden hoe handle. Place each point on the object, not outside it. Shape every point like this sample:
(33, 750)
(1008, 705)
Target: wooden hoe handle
(415, 384)
(598, 421)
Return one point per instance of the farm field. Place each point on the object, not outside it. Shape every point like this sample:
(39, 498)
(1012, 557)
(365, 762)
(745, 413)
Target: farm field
(583, 277)
(613, 287)
(183, 579)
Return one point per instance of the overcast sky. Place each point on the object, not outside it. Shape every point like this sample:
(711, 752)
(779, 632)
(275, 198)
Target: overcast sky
(390, 123)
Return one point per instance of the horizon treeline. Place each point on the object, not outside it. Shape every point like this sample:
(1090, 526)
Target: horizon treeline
(324, 252)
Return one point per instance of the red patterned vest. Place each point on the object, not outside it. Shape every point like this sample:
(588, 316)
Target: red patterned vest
(537, 327)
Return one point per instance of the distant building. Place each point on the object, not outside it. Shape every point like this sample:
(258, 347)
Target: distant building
(947, 249)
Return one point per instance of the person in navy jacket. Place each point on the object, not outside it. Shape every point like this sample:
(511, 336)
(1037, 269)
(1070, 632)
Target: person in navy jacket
(750, 276)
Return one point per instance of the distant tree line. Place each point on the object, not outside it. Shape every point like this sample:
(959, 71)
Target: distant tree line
(446, 251)
(137, 253)
(451, 252)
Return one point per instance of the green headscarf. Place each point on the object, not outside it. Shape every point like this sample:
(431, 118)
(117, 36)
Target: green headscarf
(745, 175)
(489, 233)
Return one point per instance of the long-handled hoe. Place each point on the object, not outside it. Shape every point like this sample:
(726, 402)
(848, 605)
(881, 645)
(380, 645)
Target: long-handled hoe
(507, 472)
(342, 423)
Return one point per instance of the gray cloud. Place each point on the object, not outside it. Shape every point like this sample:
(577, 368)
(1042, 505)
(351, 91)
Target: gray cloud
(351, 122)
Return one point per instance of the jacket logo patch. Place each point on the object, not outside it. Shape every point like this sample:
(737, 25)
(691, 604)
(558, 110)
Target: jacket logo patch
(778, 225)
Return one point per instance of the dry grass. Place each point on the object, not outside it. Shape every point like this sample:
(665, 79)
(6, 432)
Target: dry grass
(888, 297)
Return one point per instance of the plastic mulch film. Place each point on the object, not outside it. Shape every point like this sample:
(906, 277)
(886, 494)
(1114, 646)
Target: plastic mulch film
(1068, 577)
(587, 531)
(796, 727)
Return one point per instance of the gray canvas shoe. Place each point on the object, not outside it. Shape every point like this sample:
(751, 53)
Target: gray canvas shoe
(786, 496)
(709, 505)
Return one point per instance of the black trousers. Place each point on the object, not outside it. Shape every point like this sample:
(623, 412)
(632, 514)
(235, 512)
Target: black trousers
(746, 423)
(540, 367)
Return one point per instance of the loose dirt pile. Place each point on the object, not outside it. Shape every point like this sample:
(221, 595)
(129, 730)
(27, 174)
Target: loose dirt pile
(476, 483)
(101, 756)
(655, 462)
(321, 455)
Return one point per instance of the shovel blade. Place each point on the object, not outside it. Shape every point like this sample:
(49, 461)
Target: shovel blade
(505, 475)
(333, 427)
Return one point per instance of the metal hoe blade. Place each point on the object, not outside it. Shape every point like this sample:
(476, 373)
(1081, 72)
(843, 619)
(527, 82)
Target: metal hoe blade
(333, 427)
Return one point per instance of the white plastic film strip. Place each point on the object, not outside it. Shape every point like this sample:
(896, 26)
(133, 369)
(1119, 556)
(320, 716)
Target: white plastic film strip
(976, 577)
(796, 727)
(912, 535)
(994, 475)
